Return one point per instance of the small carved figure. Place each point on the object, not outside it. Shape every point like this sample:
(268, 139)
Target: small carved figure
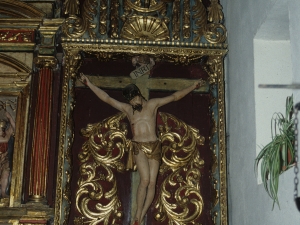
(141, 114)
(7, 128)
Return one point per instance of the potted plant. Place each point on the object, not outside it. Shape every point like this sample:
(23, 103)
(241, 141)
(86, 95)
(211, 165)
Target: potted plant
(278, 155)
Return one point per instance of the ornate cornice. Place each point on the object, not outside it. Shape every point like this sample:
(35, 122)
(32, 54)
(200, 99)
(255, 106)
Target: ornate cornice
(192, 22)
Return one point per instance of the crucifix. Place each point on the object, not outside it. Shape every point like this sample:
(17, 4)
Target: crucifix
(145, 84)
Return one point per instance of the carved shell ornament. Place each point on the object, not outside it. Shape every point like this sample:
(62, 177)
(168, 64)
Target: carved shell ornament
(145, 28)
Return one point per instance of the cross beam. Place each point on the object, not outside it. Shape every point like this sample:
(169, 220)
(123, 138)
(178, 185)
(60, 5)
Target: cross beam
(145, 83)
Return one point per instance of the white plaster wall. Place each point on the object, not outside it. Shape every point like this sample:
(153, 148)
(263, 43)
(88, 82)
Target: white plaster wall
(272, 65)
(248, 202)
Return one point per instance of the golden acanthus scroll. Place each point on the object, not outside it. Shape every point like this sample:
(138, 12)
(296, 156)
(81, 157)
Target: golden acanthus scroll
(103, 155)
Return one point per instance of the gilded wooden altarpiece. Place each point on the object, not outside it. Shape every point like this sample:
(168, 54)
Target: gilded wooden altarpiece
(180, 33)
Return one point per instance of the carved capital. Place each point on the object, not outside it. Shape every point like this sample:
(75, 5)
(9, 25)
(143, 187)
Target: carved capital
(45, 61)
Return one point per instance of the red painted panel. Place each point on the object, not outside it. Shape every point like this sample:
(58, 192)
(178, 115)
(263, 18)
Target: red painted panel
(17, 36)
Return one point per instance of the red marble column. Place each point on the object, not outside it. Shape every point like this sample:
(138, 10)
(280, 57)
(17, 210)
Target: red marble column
(41, 134)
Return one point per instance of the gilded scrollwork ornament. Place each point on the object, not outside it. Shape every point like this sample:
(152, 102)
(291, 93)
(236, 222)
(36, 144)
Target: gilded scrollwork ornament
(71, 7)
(176, 20)
(74, 59)
(186, 27)
(200, 20)
(103, 17)
(114, 19)
(185, 177)
(101, 155)
(45, 61)
(145, 28)
(213, 32)
(141, 24)
(215, 13)
(75, 26)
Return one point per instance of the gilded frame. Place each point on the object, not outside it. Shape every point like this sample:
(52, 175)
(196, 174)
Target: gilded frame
(17, 85)
(108, 51)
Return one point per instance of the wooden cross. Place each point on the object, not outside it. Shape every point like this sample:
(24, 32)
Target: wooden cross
(145, 83)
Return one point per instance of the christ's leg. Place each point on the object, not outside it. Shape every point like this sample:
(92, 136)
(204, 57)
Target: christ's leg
(154, 166)
(142, 164)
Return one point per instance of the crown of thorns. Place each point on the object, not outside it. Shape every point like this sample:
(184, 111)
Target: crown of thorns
(131, 91)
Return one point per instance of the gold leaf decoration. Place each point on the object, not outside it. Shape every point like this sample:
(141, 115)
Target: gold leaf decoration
(101, 153)
(145, 28)
(75, 27)
(101, 158)
(200, 18)
(71, 7)
(215, 33)
(180, 155)
(215, 13)
(186, 20)
(176, 20)
(103, 17)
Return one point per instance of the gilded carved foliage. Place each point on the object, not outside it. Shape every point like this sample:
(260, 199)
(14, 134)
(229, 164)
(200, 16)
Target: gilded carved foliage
(74, 26)
(114, 19)
(213, 32)
(184, 179)
(186, 20)
(25, 36)
(72, 7)
(212, 61)
(103, 17)
(45, 61)
(176, 20)
(192, 21)
(140, 23)
(101, 158)
(215, 13)
(63, 188)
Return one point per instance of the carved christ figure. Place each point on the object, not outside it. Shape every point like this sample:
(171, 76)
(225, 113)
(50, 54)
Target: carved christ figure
(147, 148)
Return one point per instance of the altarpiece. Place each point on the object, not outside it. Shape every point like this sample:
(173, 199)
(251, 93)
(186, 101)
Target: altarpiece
(71, 150)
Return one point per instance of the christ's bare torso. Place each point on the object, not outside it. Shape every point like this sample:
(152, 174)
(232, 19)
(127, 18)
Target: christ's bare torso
(143, 123)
